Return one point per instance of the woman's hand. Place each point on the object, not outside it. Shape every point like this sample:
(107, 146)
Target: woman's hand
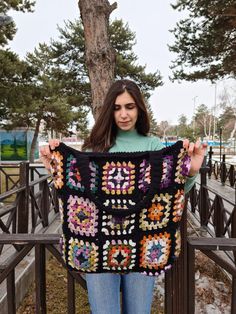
(197, 152)
(45, 153)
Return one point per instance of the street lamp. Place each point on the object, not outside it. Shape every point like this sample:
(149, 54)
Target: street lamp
(194, 103)
(214, 113)
(220, 141)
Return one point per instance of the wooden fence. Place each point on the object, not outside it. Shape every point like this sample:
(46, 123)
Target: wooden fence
(216, 214)
(221, 170)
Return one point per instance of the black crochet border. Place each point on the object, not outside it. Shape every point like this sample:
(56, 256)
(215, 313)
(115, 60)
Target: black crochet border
(83, 159)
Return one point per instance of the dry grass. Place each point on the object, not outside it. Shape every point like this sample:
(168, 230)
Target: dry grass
(214, 274)
(56, 298)
(9, 171)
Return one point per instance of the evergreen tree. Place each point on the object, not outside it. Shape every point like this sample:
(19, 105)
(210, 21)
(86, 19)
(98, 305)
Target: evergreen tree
(183, 129)
(205, 41)
(201, 121)
(68, 55)
(15, 86)
(7, 25)
(227, 120)
(154, 129)
(57, 88)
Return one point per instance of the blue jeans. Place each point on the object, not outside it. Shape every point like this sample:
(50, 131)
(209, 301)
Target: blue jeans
(104, 293)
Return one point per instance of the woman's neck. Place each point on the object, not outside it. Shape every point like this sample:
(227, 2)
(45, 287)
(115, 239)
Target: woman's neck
(124, 133)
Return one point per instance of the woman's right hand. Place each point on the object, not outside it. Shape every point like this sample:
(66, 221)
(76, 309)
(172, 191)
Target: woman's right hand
(45, 153)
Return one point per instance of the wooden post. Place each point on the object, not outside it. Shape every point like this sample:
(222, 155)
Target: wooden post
(176, 278)
(210, 153)
(11, 297)
(223, 170)
(23, 206)
(40, 279)
(218, 217)
(55, 199)
(233, 230)
(44, 202)
(203, 204)
(70, 293)
(190, 295)
(232, 175)
(233, 298)
(168, 293)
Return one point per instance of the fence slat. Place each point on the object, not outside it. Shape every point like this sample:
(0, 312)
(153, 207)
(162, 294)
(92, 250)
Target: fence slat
(191, 279)
(23, 206)
(11, 298)
(40, 279)
(233, 298)
(70, 293)
(203, 196)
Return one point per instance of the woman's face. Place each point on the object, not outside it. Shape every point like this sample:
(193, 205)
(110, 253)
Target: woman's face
(125, 112)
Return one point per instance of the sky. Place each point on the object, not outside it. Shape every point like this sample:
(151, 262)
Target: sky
(151, 21)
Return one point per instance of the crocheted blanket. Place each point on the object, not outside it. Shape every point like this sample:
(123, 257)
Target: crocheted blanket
(120, 212)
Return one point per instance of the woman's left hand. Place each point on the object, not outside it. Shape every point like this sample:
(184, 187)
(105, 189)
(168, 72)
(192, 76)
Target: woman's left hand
(197, 152)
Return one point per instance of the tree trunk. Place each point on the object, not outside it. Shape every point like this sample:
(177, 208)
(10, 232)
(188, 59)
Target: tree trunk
(100, 56)
(34, 141)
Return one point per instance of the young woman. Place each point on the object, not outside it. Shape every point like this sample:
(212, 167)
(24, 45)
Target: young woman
(123, 126)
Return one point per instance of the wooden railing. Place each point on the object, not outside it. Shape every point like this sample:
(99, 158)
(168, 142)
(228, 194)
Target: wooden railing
(221, 170)
(179, 281)
(209, 247)
(175, 280)
(216, 214)
(9, 177)
(31, 203)
(10, 174)
(213, 209)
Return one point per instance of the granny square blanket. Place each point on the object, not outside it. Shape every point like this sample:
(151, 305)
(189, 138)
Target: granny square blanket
(120, 212)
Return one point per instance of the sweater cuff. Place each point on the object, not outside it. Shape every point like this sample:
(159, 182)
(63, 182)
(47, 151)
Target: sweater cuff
(189, 183)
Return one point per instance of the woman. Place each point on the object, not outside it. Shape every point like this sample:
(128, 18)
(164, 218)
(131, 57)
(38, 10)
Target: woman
(123, 125)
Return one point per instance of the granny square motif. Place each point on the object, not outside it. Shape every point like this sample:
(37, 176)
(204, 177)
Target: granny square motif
(120, 212)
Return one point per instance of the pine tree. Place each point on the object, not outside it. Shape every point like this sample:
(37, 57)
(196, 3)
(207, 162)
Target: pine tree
(7, 25)
(56, 89)
(205, 41)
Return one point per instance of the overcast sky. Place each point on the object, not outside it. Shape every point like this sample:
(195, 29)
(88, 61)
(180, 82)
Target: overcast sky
(151, 21)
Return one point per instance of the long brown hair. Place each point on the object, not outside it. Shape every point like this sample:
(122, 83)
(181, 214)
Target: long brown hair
(104, 131)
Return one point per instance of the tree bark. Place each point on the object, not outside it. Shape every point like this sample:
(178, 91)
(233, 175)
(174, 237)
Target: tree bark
(34, 141)
(100, 56)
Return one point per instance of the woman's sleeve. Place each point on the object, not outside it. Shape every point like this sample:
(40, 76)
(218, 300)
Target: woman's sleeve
(189, 183)
(157, 145)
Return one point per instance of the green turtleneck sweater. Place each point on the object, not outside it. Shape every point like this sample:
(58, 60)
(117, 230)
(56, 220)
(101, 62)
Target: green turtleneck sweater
(132, 141)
